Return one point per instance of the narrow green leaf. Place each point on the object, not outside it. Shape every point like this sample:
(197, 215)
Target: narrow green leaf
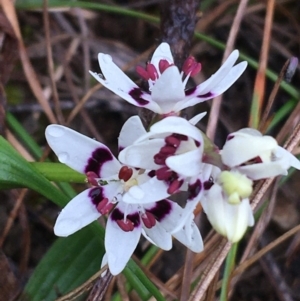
(58, 172)
(69, 263)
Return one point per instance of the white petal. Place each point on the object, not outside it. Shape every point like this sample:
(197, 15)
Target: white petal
(239, 218)
(289, 158)
(262, 170)
(132, 129)
(207, 86)
(190, 236)
(78, 213)
(151, 191)
(188, 164)
(80, 152)
(168, 89)
(119, 83)
(103, 263)
(242, 148)
(197, 118)
(159, 236)
(141, 155)
(162, 52)
(119, 245)
(173, 124)
(214, 207)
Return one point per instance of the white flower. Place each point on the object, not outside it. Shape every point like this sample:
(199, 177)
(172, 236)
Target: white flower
(256, 156)
(167, 94)
(113, 183)
(227, 207)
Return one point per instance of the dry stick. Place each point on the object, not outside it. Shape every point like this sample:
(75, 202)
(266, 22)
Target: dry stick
(84, 287)
(10, 12)
(211, 271)
(85, 48)
(259, 85)
(57, 107)
(203, 285)
(216, 105)
(187, 275)
(272, 96)
(266, 249)
(12, 216)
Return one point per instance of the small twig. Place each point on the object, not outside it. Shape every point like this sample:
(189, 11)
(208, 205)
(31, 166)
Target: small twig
(216, 104)
(58, 111)
(272, 96)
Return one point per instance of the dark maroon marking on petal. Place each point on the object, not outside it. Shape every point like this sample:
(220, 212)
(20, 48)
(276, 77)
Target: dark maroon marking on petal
(161, 209)
(120, 148)
(208, 184)
(197, 143)
(190, 91)
(152, 173)
(96, 195)
(208, 94)
(136, 94)
(229, 137)
(194, 189)
(99, 157)
(116, 214)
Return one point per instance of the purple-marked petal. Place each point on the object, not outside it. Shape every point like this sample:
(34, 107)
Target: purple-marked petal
(215, 85)
(150, 191)
(188, 164)
(76, 150)
(139, 155)
(120, 245)
(119, 83)
(168, 89)
(159, 236)
(132, 129)
(242, 148)
(78, 213)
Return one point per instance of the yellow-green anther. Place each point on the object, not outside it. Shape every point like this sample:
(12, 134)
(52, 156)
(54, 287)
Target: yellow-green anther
(235, 185)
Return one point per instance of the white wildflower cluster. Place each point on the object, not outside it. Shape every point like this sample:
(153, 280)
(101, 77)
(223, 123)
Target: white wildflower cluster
(134, 190)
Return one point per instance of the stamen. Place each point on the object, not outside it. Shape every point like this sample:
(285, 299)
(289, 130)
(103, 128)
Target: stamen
(92, 178)
(160, 159)
(148, 219)
(174, 186)
(126, 225)
(105, 206)
(125, 173)
(171, 140)
(191, 67)
(142, 72)
(163, 65)
(152, 72)
(168, 150)
(164, 173)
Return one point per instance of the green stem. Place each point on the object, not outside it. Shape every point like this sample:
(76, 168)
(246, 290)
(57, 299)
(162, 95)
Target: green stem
(229, 265)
